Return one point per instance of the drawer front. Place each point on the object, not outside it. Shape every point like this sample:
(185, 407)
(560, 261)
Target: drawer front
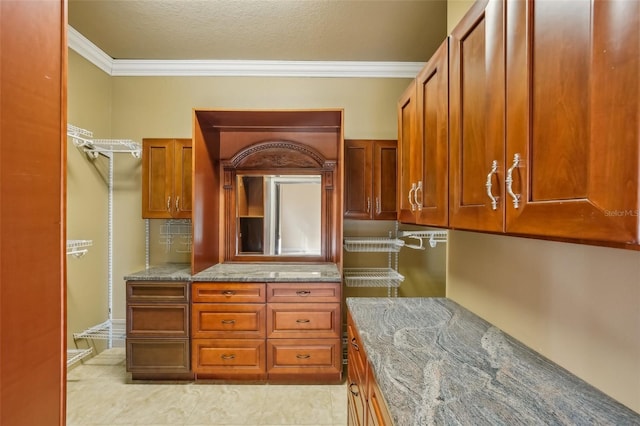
(309, 356)
(355, 352)
(228, 356)
(158, 355)
(227, 321)
(157, 320)
(304, 292)
(158, 291)
(355, 397)
(228, 292)
(301, 320)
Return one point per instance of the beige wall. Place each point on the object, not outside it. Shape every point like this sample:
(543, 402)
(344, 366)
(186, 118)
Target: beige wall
(578, 305)
(89, 107)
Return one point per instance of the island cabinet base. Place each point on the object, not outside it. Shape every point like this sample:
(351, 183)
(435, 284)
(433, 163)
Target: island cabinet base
(266, 332)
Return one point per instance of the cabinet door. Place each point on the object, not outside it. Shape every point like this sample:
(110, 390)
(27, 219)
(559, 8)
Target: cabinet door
(157, 178)
(572, 118)
(358, 179)
(406, 151)
(385, 167)
(182, 184)
(433, 135)
(477, 118)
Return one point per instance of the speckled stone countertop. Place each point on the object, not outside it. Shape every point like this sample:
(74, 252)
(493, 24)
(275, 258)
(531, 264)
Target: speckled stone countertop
(270, 272)
(439, 364)
(166, 272)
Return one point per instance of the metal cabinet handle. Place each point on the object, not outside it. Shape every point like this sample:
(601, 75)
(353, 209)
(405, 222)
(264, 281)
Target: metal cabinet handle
(368, 204)
(302, 321)
(228, 321)
(378, 208)
(169, 203)
(354, 393)
(303, 356)
(413, 189)
(229, 292)
(228, 356)
(415, 195)
(354, 344)
(178, 203)
(303, 292)
(509, 181)
(489, 184)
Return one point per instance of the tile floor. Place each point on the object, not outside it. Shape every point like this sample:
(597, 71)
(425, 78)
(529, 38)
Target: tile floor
(99, 392)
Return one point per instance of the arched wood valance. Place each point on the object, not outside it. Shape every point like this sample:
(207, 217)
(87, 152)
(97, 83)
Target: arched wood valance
(278, 155)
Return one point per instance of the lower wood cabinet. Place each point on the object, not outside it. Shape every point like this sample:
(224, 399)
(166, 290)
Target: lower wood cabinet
(365, 403)
(157, 342)
(276, 332)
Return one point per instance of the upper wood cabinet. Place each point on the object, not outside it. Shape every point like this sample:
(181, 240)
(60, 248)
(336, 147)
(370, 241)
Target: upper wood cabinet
(423, 132)
(166, 178)
(432, 150)
(407, 155)
(477, 91)
(370, 179)
(572, 133)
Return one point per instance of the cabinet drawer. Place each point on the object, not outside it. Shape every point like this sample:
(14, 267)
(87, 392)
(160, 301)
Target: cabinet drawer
(157, 291)
(228, 292)
(308, 356)
(228, 356)
(157, 320)
(303, 292)
(355, 352)
(302, 320)
(227, 320)
(158, 355)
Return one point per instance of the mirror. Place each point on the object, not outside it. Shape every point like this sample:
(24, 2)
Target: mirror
(278, 215)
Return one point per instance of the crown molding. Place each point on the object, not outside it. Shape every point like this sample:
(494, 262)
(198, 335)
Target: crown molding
(237, 68)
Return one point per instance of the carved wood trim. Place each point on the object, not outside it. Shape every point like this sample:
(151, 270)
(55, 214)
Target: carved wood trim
(277, 155)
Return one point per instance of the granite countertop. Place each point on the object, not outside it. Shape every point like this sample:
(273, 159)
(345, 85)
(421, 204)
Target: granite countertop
(242, 272)
(439, 364)
(166, 272)
(270, 272)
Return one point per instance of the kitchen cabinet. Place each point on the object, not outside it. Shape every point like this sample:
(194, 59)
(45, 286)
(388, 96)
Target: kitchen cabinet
(407, 154)
(424, 144)
(546, 143)
(303, 332)
(228, 330)
(477, 118)
(280, 332)
(370, 179)
(572, 136)
(365, 403)
(166, 178)
(157, 335)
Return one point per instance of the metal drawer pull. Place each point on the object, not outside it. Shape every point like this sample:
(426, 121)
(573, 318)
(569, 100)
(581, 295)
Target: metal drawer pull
(229, 321)
(303, 292)
(227, 356)
(354, 344)
(354, 393)
(413, 189)
(415, 196)
(303, 356)
(509, 181)
(178, 203)
(228, 292)
(489, 184)
(303, 321)
(169, 204)
(368, 204)
(378, 208)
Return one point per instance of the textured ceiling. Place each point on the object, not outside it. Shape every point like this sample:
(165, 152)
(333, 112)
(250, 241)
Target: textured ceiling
(288, 30)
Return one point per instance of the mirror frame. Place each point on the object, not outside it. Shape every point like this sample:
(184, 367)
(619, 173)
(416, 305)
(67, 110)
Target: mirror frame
(284, 158)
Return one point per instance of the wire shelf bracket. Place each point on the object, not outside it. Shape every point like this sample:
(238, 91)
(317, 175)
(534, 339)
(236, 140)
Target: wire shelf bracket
(433, 237)
(83, 138)
(77, 248)
(74, 356)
